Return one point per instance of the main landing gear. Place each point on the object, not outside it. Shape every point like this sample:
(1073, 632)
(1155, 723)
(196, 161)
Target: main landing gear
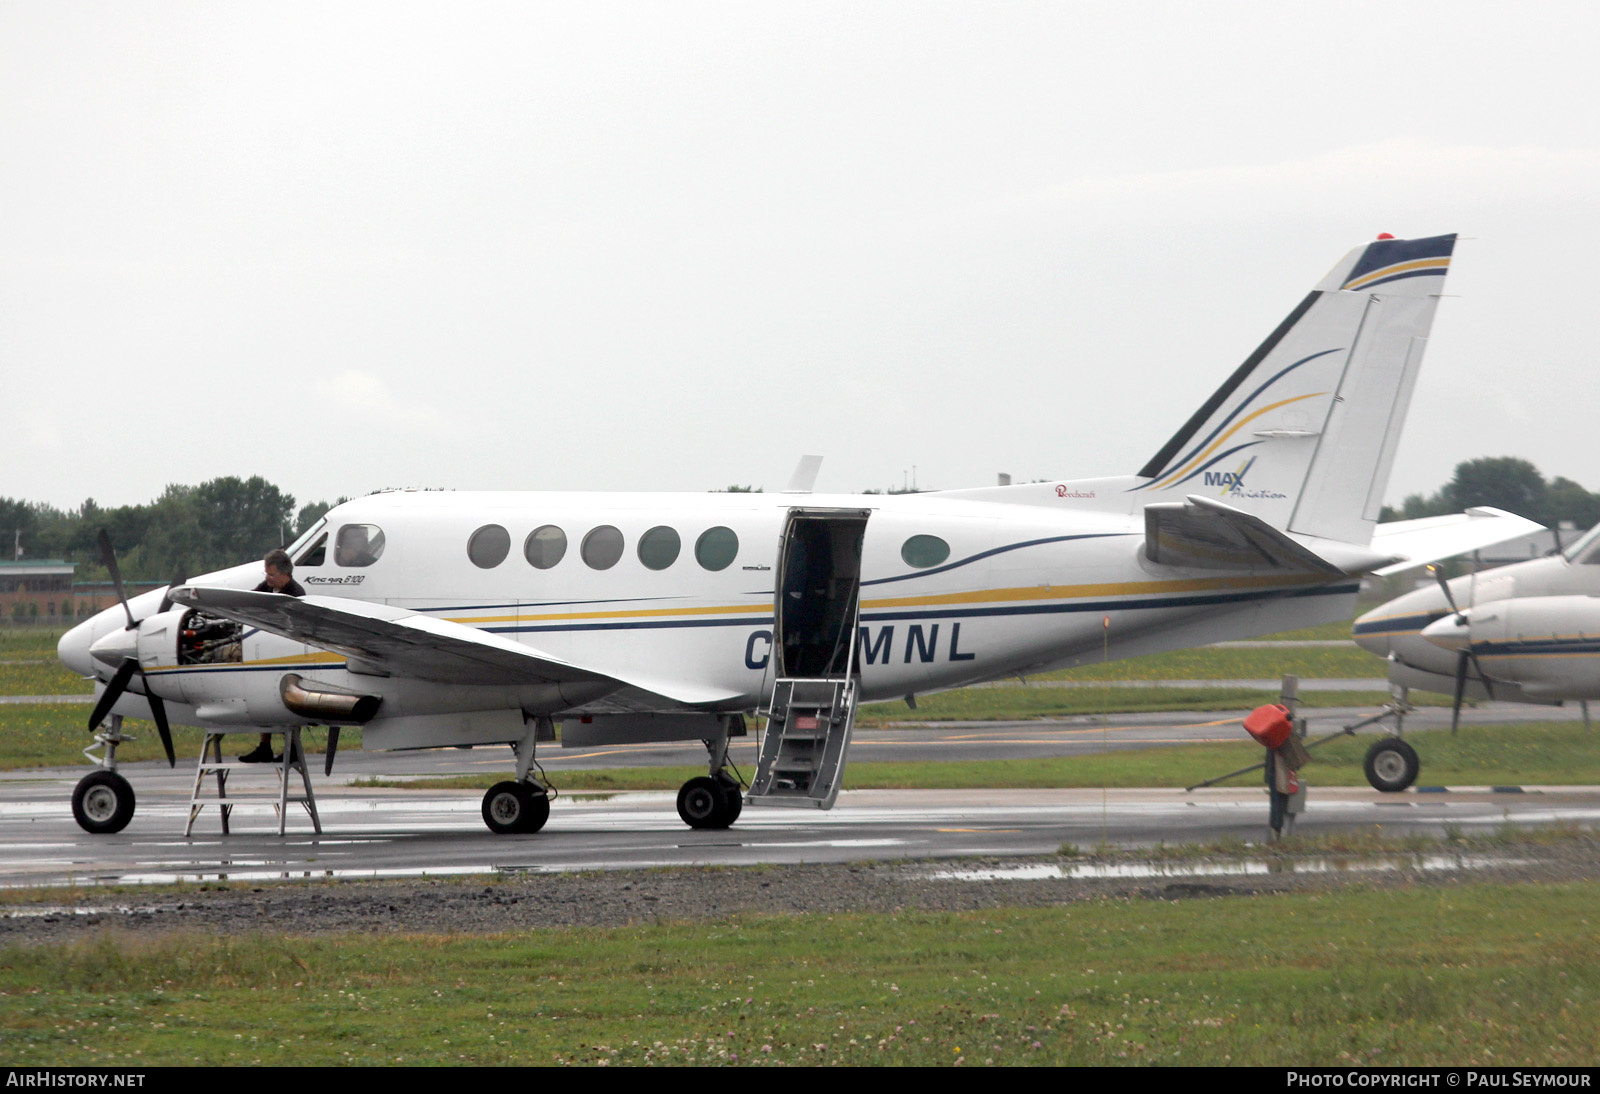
(516, 807)
(711, 801)
(521, 806)
(714, 801)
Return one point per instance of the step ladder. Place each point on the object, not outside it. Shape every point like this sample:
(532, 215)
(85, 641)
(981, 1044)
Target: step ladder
(803, 746)
(212, 763)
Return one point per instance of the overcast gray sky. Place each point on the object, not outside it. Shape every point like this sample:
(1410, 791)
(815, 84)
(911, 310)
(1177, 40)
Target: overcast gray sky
(675, 246)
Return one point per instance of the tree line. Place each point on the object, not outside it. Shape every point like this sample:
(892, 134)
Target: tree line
(1509, 483)
(187, 530)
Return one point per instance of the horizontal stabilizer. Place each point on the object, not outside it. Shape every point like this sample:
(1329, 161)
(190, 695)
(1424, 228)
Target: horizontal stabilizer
(1205, 534)
(1429, 539)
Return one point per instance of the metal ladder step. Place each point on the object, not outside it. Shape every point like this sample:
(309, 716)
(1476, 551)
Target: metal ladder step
(804, 743)
(211, 763)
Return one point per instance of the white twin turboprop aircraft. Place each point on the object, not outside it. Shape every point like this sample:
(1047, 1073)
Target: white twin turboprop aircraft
(441, 619)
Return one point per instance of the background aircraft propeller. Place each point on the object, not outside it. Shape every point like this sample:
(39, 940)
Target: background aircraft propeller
(1464, 658)
(130, 666)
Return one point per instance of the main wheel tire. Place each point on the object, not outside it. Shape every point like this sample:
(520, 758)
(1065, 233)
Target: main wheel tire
(102, 803)
(733, 794)
(505, 808)
(538, 808)
(1391, 765)
(702, 803)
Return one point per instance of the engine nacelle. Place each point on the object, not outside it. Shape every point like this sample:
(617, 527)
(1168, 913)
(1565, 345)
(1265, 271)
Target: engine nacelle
(1550, 645)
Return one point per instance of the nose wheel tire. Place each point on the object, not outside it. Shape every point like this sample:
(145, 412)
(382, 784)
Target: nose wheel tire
(510, 808)
(1391, 765)
(708, 803)
(102, 803)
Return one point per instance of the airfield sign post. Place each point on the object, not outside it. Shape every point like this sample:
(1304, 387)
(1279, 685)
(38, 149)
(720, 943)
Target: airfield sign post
(1278, 729)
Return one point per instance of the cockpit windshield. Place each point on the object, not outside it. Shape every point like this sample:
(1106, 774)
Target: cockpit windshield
(305, 537)
(1586, 552)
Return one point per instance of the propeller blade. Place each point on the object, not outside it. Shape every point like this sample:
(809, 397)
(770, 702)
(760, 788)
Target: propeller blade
(1449, 599)
(114, 689)
(158, 714)
(1461, 690)
(109, 557)
(333, 747)
(1483, 677)
(166, 597)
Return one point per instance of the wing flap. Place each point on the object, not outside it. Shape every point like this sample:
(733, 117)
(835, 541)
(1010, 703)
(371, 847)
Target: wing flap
(1205, 534)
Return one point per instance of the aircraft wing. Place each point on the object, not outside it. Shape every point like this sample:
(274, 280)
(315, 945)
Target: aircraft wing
(1415, 542)
(1201, 532)
(405, 643)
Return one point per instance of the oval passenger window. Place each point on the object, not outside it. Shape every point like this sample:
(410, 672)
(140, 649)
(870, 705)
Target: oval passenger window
(924, 551)
(659, 547)
(602, 547)
(716, 548)
(489, 546)
(545, 546)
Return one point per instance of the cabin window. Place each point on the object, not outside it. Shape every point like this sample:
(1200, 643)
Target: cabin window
(602, 547)
(316, 555)
(489, 546)
(545, 546)
(716, 548)
(358, 545)
(924, 551)
(659, 547)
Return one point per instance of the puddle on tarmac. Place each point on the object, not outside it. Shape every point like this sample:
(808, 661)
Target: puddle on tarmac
(1082, 870)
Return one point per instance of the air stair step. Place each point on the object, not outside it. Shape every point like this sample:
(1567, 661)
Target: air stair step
(804, 744)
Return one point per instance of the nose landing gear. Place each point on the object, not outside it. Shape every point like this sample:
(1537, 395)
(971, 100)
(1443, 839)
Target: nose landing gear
(102, 802)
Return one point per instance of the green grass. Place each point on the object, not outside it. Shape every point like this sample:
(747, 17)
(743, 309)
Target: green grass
(1324, 662)
(1472, 974)
(41, 677)
(1015, 702)
(1554, 753)
(55, 735)
(29, 642)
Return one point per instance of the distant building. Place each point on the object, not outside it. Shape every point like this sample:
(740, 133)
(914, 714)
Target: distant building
(41, 590)
(36, 590)
(1533, 545)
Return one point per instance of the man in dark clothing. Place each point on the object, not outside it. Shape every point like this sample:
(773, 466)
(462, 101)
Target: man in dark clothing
(279, 579)
(280, 575)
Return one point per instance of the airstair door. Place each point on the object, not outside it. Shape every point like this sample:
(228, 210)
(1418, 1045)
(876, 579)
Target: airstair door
(813, 705)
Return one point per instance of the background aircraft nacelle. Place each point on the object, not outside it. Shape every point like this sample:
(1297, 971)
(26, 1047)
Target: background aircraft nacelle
(1549, 646)
(1395, 629)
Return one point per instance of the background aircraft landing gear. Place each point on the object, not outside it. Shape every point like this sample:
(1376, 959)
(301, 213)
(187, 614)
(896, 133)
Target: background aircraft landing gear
(1391, 765)
(510, 808)
(707, 802)
(102, 802)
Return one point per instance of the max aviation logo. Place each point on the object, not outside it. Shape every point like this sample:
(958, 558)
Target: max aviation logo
(1233, 484)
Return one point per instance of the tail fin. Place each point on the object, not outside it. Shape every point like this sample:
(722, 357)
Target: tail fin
(1303, 434)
